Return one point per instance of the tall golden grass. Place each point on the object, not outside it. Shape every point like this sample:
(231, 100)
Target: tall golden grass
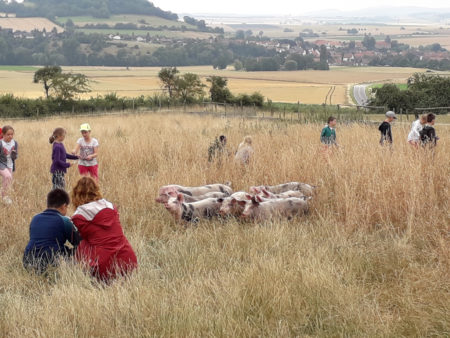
(371, 259)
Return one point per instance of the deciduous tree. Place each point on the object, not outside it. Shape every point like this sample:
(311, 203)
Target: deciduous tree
(189, 87)
(218, 90)
(47, 75)
(168, 77)
(67, 86)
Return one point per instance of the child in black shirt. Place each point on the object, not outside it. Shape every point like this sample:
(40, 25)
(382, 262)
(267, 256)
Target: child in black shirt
(428, 134)
(385, 128)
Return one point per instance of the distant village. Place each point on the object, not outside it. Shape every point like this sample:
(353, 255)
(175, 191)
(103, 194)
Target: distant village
(351, 52)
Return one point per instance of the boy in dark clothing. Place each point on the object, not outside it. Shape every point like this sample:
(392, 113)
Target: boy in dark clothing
(428, 134)
(217, 148)
(385, 128)
(49, 231)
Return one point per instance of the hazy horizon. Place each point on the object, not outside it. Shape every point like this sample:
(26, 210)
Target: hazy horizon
(284, 7)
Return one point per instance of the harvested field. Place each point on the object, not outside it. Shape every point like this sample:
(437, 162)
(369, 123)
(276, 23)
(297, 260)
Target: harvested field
(303, 86)
(339, 31)
(29, 24)
(371, 258)
(124, 18)
(443, 40)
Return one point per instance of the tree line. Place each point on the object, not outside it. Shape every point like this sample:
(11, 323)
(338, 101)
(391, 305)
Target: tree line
(145, 27)
(96, 8)
(62, 91)
(188, 88)
(80, 49)
(410, 60)
(424, 90)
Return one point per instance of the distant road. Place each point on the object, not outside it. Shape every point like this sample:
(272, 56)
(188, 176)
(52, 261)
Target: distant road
(359, 92)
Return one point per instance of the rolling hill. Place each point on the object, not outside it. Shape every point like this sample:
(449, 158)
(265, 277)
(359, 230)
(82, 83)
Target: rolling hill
(96, 8)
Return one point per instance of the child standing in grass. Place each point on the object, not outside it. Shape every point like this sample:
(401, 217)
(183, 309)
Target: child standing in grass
(416, 127)
(59, 156)
(8, 155)
(245, 151)
(385, 128)
(428, 133)
(328, 134)
(87, 151)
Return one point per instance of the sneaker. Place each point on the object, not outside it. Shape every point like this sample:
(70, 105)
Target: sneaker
(7, 200)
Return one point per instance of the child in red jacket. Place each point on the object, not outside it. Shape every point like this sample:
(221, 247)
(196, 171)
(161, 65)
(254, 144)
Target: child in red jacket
(104, 247)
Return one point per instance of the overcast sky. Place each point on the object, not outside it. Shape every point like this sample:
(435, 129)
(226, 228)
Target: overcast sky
(277, 7)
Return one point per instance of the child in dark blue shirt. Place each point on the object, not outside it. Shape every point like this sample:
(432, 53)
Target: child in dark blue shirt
(49, 231)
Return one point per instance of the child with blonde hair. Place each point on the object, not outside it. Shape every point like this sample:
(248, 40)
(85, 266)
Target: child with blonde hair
(87, 151)
(245, 151)
(416, 127)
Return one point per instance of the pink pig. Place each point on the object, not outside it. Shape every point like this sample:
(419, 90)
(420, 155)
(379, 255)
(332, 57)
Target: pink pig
(164, 198)
(234, 205)
(286, 194)
(173, 189)
(259, 209)
(191, 212)
(306, 189)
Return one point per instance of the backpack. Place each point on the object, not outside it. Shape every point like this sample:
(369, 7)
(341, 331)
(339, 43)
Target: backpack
(426, 135)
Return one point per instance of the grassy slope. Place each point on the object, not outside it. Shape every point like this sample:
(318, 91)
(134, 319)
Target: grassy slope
(153, 21)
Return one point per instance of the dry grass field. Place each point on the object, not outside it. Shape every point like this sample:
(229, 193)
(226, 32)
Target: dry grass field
(443, 40)
(371, 259)
(412, 34)
(309, 87)
(29, 24)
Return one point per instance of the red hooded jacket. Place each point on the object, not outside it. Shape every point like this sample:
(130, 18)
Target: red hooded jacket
(104, 246)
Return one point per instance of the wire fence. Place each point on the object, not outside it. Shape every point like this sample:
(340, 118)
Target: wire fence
(295, 113)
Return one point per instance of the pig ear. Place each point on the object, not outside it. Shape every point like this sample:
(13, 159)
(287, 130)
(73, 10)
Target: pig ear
(259, 198)
(172, 193)
(241, 203)
(180, 198)
(248, 196)
(233, 201)
(265, 192)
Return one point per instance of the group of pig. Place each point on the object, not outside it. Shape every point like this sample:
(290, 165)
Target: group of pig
(189, 204)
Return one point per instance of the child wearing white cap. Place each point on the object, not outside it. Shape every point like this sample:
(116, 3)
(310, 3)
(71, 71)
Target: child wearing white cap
(87, 150)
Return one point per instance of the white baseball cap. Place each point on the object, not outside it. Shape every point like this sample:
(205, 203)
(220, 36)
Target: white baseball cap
(390, 113)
